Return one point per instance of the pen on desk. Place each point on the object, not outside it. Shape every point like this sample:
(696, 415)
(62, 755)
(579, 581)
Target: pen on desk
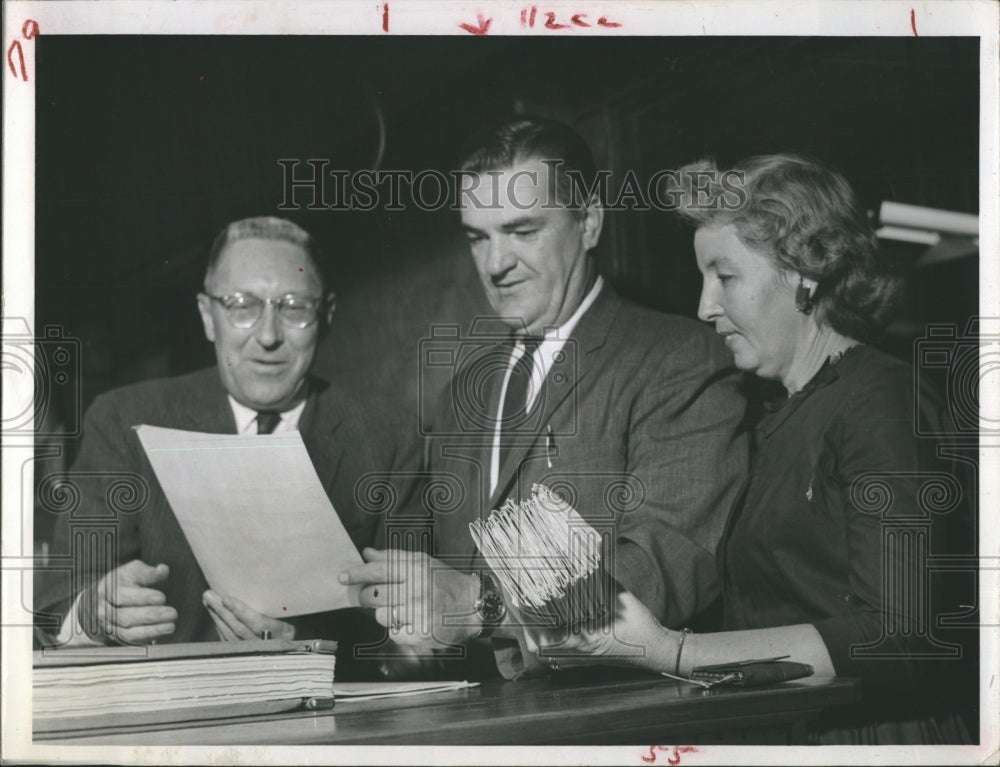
(550, 446)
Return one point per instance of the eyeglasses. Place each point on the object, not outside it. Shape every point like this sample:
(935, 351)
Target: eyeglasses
(244, 310)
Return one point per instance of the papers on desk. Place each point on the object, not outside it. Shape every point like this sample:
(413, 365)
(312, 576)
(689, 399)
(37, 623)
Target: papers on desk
(102, 687)
(358, 691)
(256, 517)
(113, 686)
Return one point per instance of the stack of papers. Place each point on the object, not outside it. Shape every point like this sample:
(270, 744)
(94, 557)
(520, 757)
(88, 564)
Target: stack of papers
(104, 687)
(111, 686)
(358, 691)
(131, 687)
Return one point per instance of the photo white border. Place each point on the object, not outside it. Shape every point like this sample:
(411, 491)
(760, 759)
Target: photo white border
(885, 18)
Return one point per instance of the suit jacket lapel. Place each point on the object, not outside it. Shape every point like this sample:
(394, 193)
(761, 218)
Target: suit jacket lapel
(317, 426)
(209, 410)
(580, 356)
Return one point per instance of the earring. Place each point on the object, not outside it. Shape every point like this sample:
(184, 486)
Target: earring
(803, 301)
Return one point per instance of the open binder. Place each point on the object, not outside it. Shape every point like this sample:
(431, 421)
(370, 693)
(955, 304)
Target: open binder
(123, 686)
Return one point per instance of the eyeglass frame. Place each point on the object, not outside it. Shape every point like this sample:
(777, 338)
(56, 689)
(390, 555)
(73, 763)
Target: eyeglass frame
(318, 306)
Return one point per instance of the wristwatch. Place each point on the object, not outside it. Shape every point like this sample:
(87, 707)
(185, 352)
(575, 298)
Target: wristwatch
(490, 606)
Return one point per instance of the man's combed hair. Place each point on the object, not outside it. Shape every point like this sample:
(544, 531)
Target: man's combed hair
(514, 140)
(809, 220)
(266, 228)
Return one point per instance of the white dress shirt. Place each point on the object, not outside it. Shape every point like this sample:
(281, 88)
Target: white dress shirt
(246, 418)
(552, 343)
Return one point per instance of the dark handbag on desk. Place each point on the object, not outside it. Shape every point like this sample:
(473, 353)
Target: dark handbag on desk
(751, 673)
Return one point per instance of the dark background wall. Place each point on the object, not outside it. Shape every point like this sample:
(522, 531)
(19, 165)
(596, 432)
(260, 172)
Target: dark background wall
(147, 146)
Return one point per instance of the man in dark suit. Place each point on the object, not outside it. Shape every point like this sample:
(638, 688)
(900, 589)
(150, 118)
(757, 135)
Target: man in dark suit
(264, 306)
(633, 416)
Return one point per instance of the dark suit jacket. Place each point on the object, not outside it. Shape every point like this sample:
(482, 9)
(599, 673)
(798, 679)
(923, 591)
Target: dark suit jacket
(345, 437)
(639, 427)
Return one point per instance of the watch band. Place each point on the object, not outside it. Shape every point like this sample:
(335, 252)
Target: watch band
(490, 606)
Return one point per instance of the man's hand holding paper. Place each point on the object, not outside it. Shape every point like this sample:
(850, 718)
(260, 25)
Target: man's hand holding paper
(236, 620)
(423, 602)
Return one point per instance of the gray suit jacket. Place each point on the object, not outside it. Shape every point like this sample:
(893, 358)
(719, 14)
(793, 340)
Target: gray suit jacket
(639, 426)
(346, 438)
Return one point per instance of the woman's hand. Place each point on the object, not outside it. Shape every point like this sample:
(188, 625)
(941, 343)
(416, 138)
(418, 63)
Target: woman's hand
(632, 637)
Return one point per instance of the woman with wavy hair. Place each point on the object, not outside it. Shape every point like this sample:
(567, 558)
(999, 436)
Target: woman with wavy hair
(794, 282)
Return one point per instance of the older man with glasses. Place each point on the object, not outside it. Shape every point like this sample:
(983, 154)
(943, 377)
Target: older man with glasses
(265, 305)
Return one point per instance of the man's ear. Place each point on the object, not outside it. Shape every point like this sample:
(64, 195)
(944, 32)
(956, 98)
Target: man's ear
(330, 302)
(593, 221)
(207, 320)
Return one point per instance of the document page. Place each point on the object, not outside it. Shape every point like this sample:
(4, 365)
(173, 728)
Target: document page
(358, 691)
(256, 517)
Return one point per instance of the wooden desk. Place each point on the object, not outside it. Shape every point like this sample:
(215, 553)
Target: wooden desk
(571, 708)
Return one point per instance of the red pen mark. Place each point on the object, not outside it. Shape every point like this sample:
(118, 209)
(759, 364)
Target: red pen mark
(285, 609)
(385, 17)
(16, 46)
(550, 21)
(481, 30)
(672, 759)
(29, 30)
(913, 22)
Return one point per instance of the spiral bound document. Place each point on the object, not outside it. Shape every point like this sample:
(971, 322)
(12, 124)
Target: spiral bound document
(549, 561)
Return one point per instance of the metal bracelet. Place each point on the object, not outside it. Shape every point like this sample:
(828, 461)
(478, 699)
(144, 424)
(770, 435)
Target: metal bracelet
(680, 649)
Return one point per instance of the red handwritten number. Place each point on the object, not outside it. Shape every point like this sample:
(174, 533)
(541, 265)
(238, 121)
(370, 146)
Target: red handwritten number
(673, 759)
(576, 20)
(385, 17)
(550, 22)
(29, 30)
(16, 46)
(913, 22)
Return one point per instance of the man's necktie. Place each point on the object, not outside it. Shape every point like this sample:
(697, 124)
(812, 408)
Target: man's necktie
(512, 420)
(267, 421)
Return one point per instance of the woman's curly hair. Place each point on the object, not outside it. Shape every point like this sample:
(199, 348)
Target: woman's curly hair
(809, 220)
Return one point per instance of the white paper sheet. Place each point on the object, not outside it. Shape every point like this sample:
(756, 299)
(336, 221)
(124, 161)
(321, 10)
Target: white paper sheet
(256, 517)
(358, 691)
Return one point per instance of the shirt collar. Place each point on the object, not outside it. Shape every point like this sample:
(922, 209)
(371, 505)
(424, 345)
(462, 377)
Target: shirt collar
(245, 417)
(563, 331)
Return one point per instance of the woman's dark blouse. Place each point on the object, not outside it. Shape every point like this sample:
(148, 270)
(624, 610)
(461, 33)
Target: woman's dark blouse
(838, 465)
